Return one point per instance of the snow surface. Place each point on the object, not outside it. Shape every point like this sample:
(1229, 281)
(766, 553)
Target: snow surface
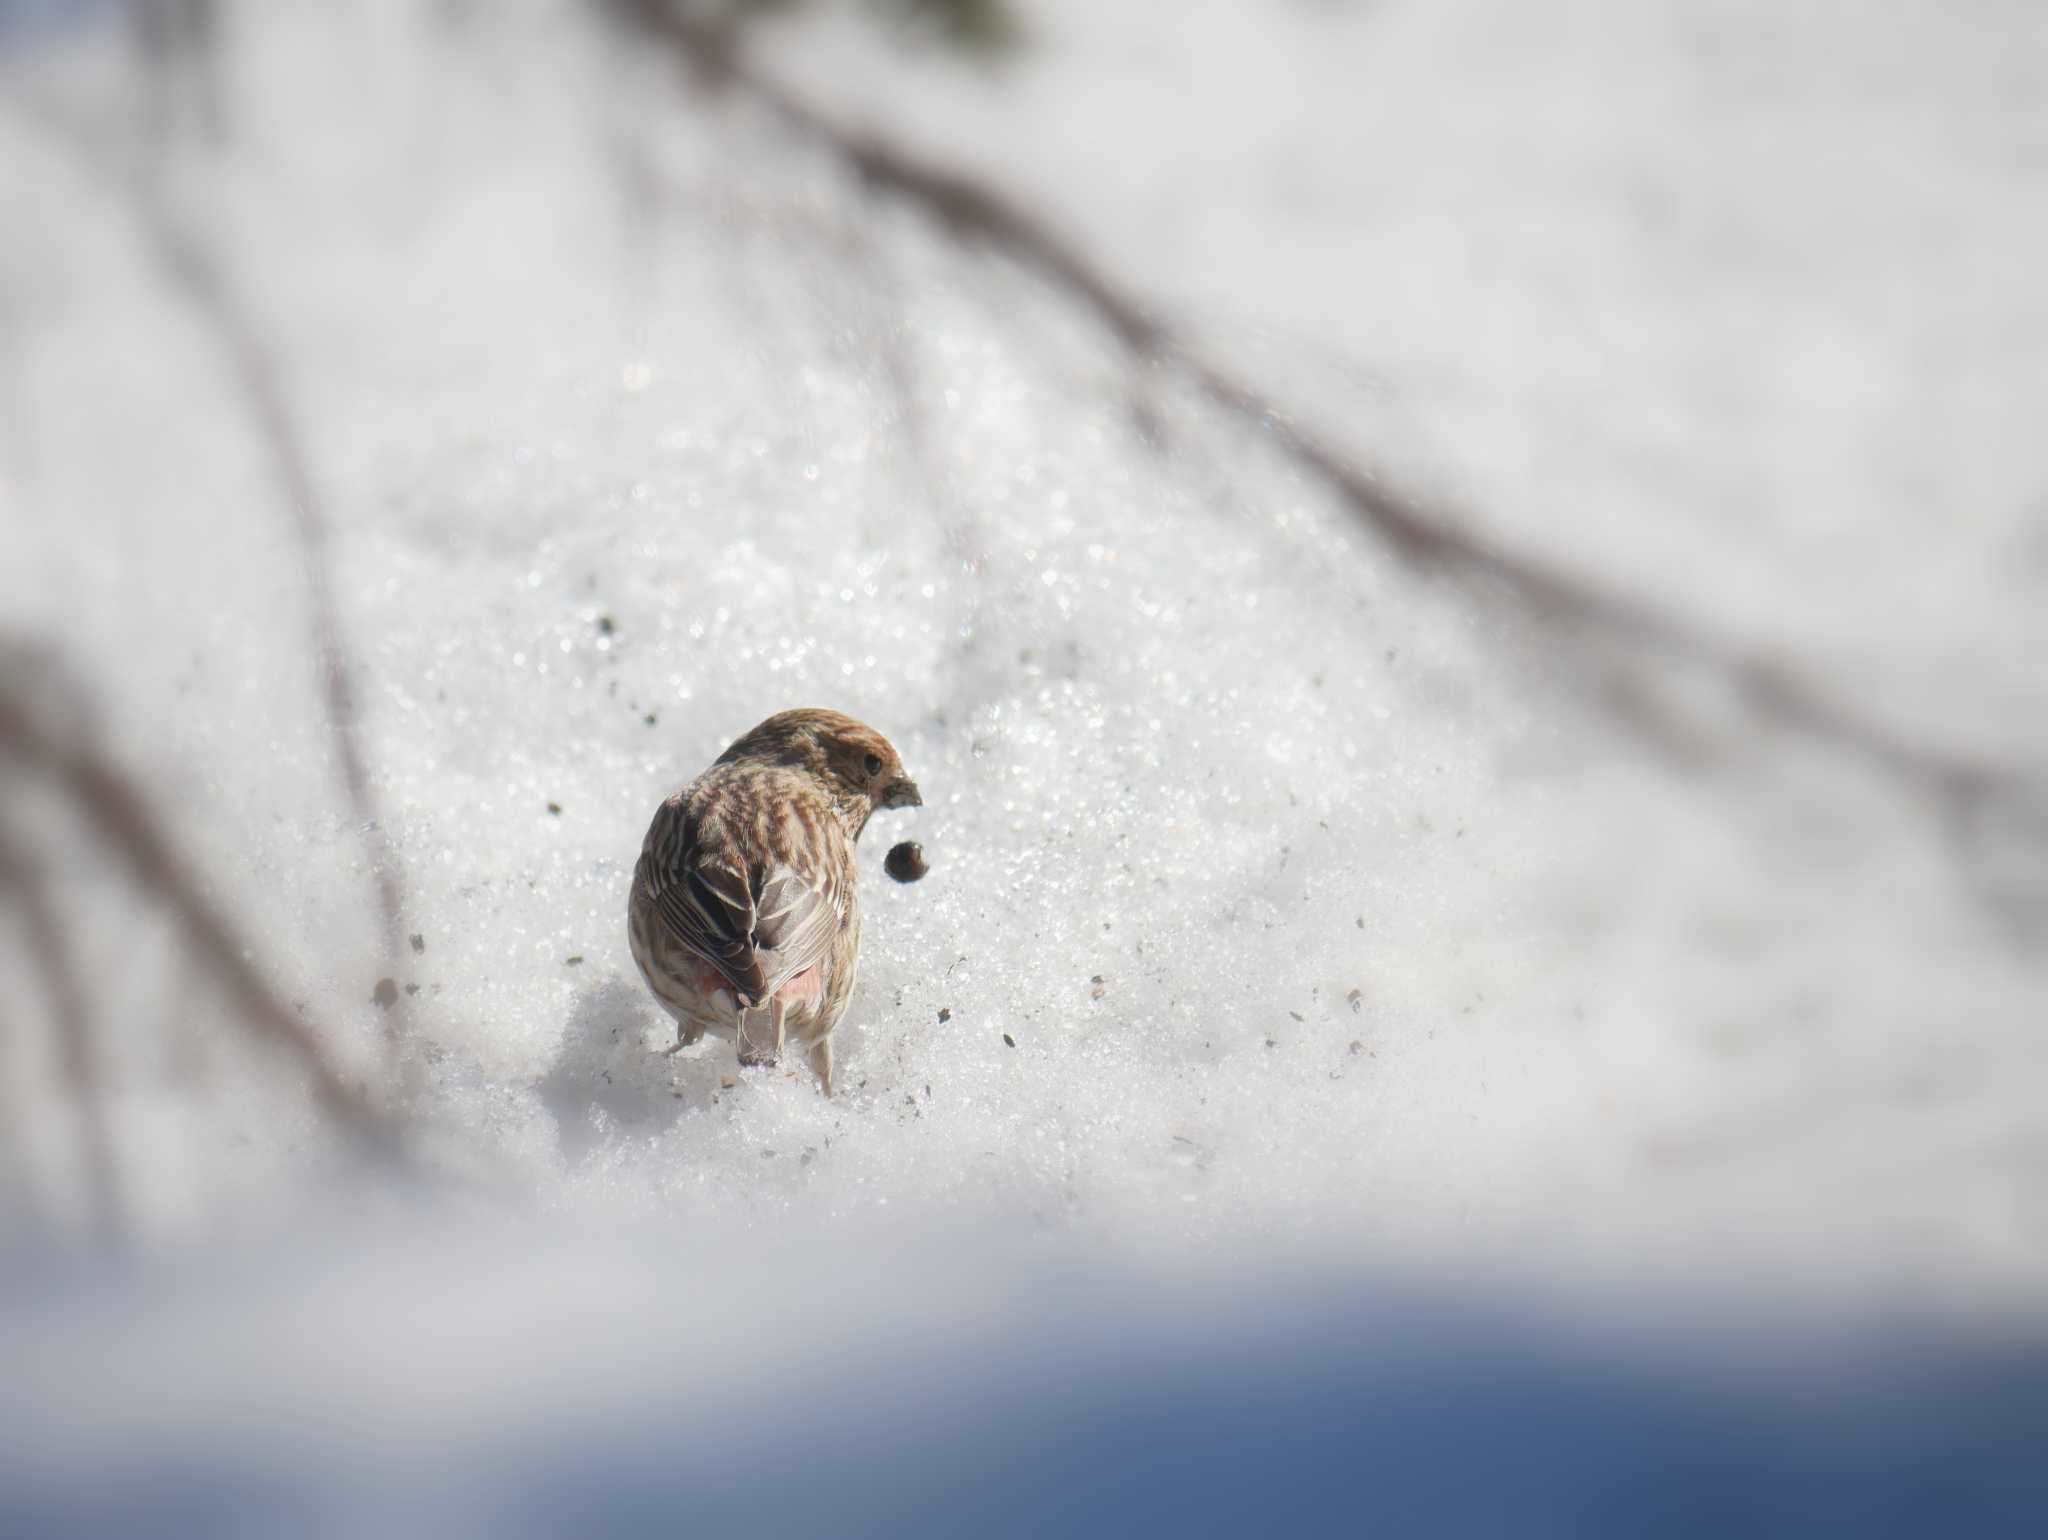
(634, 421)
(594, 1387)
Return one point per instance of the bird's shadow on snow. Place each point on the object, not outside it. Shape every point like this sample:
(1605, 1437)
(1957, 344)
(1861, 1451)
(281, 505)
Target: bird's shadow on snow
(610, 1082)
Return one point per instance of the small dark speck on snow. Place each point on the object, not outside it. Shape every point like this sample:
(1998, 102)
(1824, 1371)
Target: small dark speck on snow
(574, 960)
(1009, 1041)
(945, 1013)
(419, 942)
(555, 808)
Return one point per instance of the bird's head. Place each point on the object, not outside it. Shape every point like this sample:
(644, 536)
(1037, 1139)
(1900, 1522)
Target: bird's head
(858, 767)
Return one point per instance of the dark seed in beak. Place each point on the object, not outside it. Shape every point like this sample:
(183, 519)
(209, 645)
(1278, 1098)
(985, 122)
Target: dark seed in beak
(906, 862)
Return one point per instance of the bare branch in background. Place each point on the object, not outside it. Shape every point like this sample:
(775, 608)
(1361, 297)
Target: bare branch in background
(256, 373)
(1421, 533)
(209, 292)
(24, 879)
(115, 809)
(179, 41)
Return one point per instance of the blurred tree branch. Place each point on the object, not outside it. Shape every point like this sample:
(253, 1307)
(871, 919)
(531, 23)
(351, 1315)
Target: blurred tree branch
(1421, 533)
(38, 740)
(24, 879)
(205, 286)
(202, 282)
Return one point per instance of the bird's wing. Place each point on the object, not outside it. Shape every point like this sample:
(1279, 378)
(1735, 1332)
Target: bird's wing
(796, 918)
(758, 922)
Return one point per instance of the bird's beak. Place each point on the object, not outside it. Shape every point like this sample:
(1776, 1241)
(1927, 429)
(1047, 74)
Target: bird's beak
(902, 793)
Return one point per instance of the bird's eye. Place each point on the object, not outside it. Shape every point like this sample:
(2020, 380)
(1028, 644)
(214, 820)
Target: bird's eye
(874, 764)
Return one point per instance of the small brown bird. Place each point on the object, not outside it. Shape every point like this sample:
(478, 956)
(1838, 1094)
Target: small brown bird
(744, 917)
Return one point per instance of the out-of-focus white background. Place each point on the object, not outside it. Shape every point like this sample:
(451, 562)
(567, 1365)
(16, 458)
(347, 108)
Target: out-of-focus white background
(1281, 897)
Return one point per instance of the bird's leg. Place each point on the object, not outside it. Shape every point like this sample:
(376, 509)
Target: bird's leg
(820, 1058)
(777, 1009)
(752, 1050)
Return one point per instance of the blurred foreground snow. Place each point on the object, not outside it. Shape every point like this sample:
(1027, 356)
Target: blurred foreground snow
(1317, 915)
(392, 1383)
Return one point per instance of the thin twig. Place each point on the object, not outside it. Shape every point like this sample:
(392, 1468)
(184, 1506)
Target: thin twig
(116, 809)
(202, 281)
(1419, 532)
(25, 877)
(255, 370)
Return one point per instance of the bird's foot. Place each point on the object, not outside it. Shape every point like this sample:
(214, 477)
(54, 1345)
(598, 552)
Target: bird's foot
(687, 1033)
(820, 1059)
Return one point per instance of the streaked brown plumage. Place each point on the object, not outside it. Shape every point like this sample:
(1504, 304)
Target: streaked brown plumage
(744, 916)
